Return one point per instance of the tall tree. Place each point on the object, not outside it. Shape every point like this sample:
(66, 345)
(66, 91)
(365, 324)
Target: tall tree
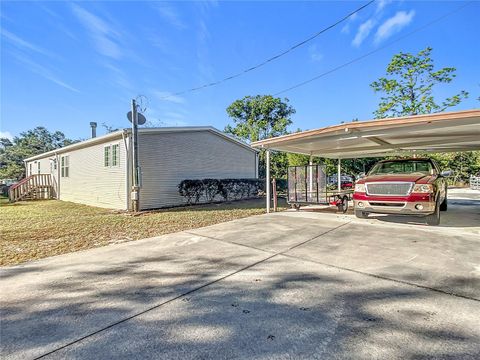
(260, 117)
(463, 164)
(408, 86)
(349, 166)
(29, 143)
(409, 91)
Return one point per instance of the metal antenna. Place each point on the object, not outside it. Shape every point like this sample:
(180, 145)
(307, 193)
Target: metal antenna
(142, 103)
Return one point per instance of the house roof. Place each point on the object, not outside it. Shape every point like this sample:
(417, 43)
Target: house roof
(439, 132)
(119, 133)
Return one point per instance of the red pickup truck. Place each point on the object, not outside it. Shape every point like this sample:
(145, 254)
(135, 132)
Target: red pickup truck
(405, 186)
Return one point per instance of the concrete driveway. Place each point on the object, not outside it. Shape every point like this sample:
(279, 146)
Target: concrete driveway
(288, 285)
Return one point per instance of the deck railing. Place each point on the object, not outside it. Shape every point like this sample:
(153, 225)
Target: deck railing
(37, 186)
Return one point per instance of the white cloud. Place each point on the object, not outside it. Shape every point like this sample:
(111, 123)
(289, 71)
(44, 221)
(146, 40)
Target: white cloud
(363, 32)
(167, 96)
(204, 64)
(6, 134)
(381, 4)
(315, 54)
(44, 72)
(104, 36)
(160, 43)
(394, 25)
(119, 77)
(169, 14)
(346, 27)
(23, 44)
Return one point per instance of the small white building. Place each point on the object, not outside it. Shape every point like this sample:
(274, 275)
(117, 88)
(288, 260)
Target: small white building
(98, 171)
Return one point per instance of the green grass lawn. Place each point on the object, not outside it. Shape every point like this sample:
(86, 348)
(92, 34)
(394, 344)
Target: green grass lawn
(37, 229)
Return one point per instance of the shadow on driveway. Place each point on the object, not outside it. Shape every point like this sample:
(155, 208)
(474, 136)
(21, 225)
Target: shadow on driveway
(232, 304)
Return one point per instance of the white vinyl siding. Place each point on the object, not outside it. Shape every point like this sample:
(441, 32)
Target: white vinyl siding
(88, 181)
(92, 183)
(168, 158)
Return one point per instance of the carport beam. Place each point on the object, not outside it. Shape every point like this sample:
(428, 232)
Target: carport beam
(267, 179)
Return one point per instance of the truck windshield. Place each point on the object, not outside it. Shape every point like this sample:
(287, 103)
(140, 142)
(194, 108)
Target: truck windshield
(402, 167)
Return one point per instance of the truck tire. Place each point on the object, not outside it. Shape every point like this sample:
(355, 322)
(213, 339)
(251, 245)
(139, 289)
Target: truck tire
(361, 214)
(444, 205)
(343, 205)
(434, 219)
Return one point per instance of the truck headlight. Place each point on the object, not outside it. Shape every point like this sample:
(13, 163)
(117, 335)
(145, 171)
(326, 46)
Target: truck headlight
(422, 188)
(359, 187)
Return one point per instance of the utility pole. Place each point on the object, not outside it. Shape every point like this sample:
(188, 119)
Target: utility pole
(136, 170)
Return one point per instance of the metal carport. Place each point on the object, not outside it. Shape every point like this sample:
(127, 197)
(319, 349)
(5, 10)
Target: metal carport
(439, 132)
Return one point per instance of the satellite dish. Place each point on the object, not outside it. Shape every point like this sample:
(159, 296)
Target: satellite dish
(140, 118)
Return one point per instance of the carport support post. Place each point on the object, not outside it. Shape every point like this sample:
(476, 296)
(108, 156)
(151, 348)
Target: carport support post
(310, 178)
(339, 175)
(267, 178)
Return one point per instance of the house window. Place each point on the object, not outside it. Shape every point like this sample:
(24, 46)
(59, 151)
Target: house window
(30, 171)
(53, 165)
(106, 156)
(38, 167)
(64, 166)
(115, 155)
(111, 155)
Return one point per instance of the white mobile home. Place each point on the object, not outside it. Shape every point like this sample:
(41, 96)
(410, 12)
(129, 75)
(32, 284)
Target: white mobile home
(98, 171)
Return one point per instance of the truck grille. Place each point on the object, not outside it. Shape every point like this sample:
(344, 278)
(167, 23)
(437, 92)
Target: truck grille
(395, 204)
(389, 188)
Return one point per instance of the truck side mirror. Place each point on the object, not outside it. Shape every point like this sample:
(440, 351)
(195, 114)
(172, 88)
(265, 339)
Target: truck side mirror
(446, 173)
(361, 175)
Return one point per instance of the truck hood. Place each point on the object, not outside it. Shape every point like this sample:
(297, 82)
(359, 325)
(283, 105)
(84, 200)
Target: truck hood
(414, 177)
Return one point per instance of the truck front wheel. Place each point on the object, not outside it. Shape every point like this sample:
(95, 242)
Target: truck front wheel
(434, 219)
(361, 214)
(444, 205)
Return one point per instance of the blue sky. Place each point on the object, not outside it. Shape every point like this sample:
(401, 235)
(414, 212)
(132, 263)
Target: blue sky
(64, 64)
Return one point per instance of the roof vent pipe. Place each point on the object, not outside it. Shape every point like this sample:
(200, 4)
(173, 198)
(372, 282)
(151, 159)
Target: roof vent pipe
(93, 125)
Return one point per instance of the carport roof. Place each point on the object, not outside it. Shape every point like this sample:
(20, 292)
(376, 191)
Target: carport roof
(439, 132)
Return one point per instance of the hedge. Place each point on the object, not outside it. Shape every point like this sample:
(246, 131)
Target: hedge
(226, 189)
(282, 185)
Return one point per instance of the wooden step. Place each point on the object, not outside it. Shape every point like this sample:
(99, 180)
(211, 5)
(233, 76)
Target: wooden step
(38, 186)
